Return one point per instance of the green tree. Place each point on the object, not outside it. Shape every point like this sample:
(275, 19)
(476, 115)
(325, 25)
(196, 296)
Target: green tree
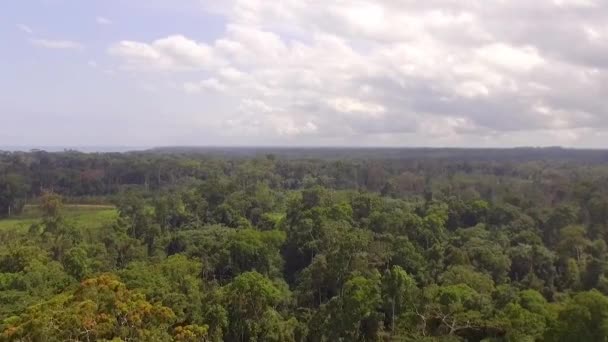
(250, 299)
(13, 194)
(353, 315)
(398, 289)
(583, 318)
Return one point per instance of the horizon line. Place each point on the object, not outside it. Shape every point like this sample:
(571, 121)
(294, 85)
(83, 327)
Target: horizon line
(135, 148)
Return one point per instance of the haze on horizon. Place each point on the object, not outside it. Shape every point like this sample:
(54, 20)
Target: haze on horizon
(304, 73)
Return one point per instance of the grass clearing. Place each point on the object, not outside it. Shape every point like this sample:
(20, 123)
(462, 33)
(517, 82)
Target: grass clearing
(80, 215)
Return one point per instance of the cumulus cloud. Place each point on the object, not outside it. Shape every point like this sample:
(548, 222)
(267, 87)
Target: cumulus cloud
(351, 105)
(171, 53)
(438, 70)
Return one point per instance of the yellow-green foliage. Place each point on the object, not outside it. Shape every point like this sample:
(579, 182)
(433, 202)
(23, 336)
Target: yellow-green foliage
(81, 216)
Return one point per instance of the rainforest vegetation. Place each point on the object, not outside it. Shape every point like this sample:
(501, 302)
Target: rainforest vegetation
(304, 245)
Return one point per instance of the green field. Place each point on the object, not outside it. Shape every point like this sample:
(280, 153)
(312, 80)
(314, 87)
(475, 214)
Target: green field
(80, 215)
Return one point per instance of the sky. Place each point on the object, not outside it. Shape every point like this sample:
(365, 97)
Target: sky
(467, 73)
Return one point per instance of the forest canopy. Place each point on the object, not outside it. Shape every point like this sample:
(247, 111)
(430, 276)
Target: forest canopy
(304, 245)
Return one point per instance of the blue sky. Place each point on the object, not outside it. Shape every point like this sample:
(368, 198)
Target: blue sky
(345, 73)
(76, 96)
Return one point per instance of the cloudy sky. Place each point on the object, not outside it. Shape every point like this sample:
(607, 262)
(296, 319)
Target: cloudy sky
(304, 72)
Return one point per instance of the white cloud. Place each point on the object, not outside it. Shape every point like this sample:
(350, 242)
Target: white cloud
(444, 71)
(350, 105)
(367, 17)
(103, 20)
(57, 44)
(472, 89)
(230, 74)
(575, 3)
(446, 127)
(287, 127)
(25, 28)
(512, 58)
(255, 106)
(251, 47)
(208, 84)
(171, 53)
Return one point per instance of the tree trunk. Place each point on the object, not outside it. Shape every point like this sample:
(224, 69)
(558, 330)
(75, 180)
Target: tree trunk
(158, 177)
(393, 318)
